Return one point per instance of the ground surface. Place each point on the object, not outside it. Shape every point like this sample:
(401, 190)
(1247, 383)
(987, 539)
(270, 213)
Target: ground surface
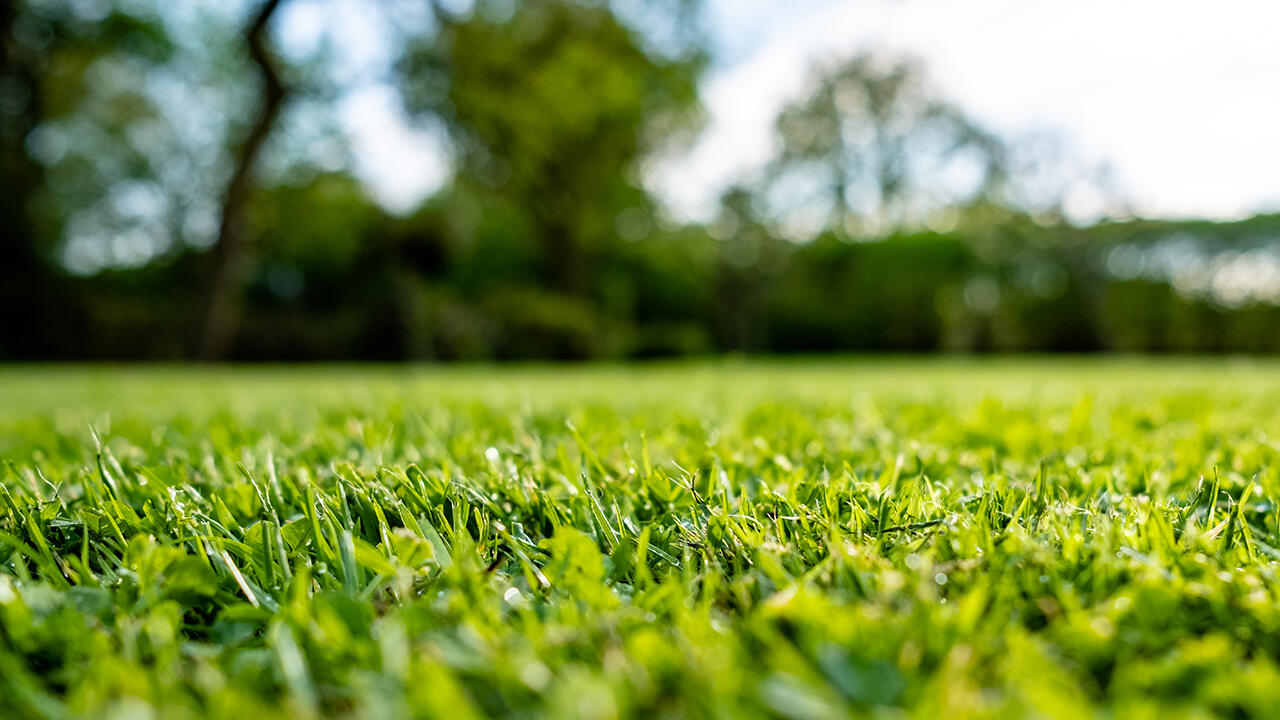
(1059, 538)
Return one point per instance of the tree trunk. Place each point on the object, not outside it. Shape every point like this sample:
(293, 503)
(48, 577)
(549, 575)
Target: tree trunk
(224, 298)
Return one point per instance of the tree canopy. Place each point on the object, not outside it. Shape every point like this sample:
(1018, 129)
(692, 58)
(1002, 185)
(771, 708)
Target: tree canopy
(176, 181)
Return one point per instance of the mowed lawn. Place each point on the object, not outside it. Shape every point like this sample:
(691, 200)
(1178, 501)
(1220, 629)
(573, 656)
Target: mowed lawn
(806, 539)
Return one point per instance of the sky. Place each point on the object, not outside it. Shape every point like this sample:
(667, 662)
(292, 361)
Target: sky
(1178, 100)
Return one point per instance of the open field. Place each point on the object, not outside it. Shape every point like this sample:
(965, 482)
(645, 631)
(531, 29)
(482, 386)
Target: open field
(924, 538)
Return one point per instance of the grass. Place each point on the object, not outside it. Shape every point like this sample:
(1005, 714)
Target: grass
(1054, 538)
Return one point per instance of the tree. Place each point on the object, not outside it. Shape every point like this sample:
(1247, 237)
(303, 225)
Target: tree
(874, 149)
(52, 57)
(224, 299)
(552, 106)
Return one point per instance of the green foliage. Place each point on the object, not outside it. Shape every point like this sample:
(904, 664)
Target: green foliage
(119, 124)
(855, 538)
(319, 228)
(878, 295)
(551, 106)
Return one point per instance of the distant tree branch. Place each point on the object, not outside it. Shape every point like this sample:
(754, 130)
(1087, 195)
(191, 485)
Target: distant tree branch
(443, 15)
(224, 298)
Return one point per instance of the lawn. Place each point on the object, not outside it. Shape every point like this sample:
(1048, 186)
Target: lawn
(895, 537)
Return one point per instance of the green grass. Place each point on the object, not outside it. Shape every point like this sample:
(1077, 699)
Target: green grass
(1053, 538)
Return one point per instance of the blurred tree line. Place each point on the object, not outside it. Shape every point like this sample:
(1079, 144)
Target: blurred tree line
(173, 185)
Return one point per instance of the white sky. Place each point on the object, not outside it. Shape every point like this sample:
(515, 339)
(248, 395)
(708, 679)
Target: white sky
(1180, 99)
